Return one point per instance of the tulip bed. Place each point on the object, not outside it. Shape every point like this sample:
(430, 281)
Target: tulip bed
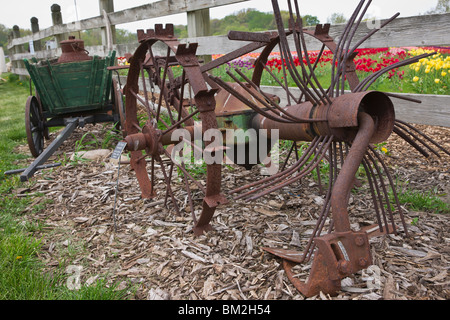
(429, 76)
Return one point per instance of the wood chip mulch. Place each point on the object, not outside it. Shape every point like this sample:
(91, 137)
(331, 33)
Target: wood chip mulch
(155, 250)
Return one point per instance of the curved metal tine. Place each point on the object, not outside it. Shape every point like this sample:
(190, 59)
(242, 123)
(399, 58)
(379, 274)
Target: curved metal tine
(341, 60)
(289, 94)
(324, 96)
(163, 84)
(144, 87)
(347, 47)
(254, 107)
(296, 119)
(305, 155)
(307, 170)
(243, 86)
(402, 135)
(288, 156)
(188, 190)
(377, 191)
(183, 169)
(152, 111)
(168, 186)
(423, 135)
(337, 55)
(366, 165)
(286, 54)
(393, 187)
(383, 187)
(314, 67)
(326, 207)
(364, 39)
(367, 82)
(183, 80)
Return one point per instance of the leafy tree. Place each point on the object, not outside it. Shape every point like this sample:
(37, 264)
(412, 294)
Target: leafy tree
(337, 18)
(442, 6)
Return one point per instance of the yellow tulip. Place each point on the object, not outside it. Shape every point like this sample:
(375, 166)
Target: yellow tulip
(443, 73)
(437, 81)
(415, 79)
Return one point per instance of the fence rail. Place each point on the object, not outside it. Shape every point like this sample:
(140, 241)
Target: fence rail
(425, 30)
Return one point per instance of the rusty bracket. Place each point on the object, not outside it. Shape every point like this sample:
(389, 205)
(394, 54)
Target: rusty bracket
(158, 33)
(338, 255)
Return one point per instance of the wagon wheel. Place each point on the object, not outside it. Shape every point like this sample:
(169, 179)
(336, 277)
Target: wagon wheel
(35, 126)
(119, 106)
(173, 94)
(46, 130)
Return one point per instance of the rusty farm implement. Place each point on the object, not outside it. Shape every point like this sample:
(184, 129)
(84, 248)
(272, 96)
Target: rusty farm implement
(168, 91)
(340, 126)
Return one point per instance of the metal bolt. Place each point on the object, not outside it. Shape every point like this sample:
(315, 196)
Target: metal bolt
(359, 241)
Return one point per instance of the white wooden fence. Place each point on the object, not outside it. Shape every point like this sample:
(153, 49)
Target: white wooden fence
(426, 30)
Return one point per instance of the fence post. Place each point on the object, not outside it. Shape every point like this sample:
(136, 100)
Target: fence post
(35, 28)
(18, 64)
(2, 61)
(57, 20)
(108, 6)
(199, 25)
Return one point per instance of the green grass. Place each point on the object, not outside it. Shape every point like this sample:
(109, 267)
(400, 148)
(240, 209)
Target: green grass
(22, 272)
(423, 201)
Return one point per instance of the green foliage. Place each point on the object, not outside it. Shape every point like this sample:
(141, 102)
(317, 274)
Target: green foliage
(253, 20)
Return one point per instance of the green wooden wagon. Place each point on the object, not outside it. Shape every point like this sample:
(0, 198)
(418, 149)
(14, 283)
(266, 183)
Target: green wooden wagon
(68, 95)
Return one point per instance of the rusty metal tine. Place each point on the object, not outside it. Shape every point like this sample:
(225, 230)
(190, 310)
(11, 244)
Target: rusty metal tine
(162, 84)
(285, 52)
(360, 42)
(324, 95)
(186, 173)
(243, 86)
(394, 191)
(168, 185)
(349, 43)
(288, 156)
(411, 142)
(367, 82)
(183, 80)
(191, 202)
(345, 36)
(423, 135)
(335, 74)
(377, 189)
(299, 162)
(286, 89)
(180, 122)
(326, 208)
(383, 185)
(279, 176)
(147, 105)
(311, 166)
(319, 56)
(402, 128)
(255, 108)
(143, 102)
(372, 191)
(296, 119)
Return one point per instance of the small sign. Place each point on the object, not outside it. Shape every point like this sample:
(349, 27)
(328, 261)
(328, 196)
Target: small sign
(118, 151)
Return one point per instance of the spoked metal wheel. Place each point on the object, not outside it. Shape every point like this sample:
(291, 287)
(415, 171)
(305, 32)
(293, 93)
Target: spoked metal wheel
(35, 126)
(165, 91)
